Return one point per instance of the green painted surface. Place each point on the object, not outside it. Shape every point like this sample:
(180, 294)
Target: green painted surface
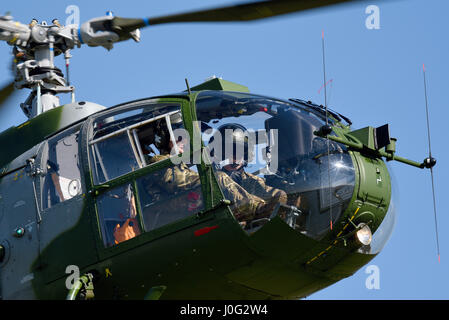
(19, 139)
(275, 262)
(365, 136)
(220, 84)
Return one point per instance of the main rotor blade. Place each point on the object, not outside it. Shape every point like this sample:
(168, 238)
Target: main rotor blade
(6, 92)
(241, 12)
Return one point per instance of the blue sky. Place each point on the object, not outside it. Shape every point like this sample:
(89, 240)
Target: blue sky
(376, 79)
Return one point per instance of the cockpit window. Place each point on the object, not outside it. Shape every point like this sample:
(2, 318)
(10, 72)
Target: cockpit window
(129, 140)
(118, 215)
(62, 180)
(269, 162)
(132, 139)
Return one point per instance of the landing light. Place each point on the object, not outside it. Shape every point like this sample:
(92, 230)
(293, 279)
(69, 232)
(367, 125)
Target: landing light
(364, 234)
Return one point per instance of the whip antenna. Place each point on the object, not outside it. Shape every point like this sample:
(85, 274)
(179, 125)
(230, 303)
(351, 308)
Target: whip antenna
(324, 76)
(327, 125)
(430, 162)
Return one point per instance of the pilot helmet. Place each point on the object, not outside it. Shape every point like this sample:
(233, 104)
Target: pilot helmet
(235, 137)
(162, 134)
(176, 120)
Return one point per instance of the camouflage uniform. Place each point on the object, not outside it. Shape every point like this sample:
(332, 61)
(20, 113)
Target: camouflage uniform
(245, 205)
(177, 178)
(257, 187)
(182, 178)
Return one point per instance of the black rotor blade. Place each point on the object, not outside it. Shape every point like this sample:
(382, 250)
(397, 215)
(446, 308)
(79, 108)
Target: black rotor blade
(241, 12)
(5, 93)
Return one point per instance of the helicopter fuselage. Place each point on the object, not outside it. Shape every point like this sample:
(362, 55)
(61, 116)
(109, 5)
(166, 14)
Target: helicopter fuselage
(60, 188)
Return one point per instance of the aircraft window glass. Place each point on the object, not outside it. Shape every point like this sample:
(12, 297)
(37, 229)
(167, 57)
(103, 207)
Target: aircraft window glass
(118, 215)
(155, 138)
(122, 145)
(170, 194)
(167, 195)
(268, 162)
(62, 180)
(114, 157)
(121, 119)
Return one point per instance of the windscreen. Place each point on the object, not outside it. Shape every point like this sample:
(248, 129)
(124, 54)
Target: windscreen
(269, 162)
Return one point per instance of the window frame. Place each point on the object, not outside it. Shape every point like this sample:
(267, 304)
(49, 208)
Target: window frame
(42, 158)
(134, 143)
(139, 218)
(186, 107)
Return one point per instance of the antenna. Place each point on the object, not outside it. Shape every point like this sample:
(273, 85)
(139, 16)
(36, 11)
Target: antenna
(188, 86)
(324, 75)
(327, 125)
(431, 162)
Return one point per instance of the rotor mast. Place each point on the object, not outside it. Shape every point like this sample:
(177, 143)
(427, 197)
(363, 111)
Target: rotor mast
(35, 47)
(38, 44)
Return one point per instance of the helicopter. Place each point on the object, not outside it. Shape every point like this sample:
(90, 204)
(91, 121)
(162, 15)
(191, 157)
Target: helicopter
(307, 256)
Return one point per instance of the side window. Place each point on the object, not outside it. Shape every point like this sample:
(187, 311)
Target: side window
(130, 140)
(170, 194)
(113, 157)
(124, 144)
(62, 180)
(118, 215)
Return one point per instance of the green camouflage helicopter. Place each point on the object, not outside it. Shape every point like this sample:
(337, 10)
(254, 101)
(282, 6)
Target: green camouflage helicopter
(212, 193)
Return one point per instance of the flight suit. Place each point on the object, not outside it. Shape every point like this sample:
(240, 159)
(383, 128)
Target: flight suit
(245, 206)
(180, 177)
(257, 187)
(177, 178)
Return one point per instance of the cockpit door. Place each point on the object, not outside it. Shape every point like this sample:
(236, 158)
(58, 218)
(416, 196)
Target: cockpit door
(65, 229)
(141, 187)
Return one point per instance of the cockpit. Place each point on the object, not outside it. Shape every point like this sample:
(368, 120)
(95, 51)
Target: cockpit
(279, 155)
(261, 152)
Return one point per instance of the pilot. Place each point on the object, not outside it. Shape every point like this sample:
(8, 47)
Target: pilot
(181, 178)
(155, 135)
(253, 184)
